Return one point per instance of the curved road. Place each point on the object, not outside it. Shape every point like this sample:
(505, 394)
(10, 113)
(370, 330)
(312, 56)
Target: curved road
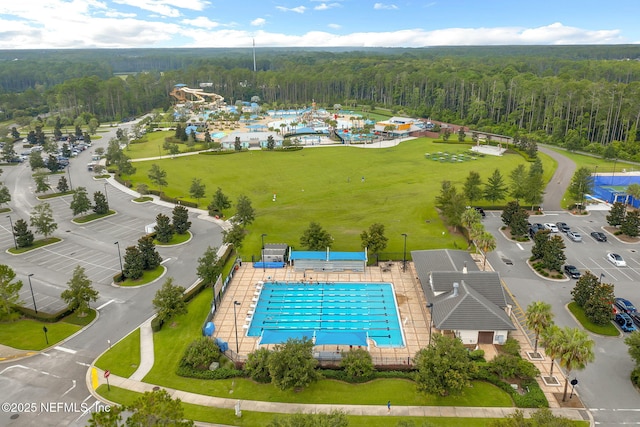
(560, 181)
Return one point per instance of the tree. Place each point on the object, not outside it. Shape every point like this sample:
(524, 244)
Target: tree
(518, 178)
(357, 363)
(169, 301)
(257, 366)
(100, 204)
(633, 190)
(616, 214)
(80, 202)
(42, 184)
(292, 365)
(576, 351)
(209, 267)
(5, 195)
(271, 143)
(80, 292)
(581, 184)
(451, 204)
(486, 243)
(52, 163)
(180, 218)
(8, 152)
(540, 240)
(550, 339)
(316, 238)
(374, 239)
(150, 256)
(42, 219)
(495, 189)
(245, 213)
(554, 257)
(163, 228)
(631, 223)
(598, 308)
(471, 220)
(444, 367)
(197, 189)
(219, 203)
(234, 236)
(508, 211)
(584, 288)
(157, 176)
(63, 185)
(133, 263)
(35, 161)
(461, 134)
(200, 354)
(9, 291)
(24, 236)
(538, 317)
(174, 149)
(472, 188)
(157, 408)
(110, 418)
(542, 417)
(237, 144)
(632, 341)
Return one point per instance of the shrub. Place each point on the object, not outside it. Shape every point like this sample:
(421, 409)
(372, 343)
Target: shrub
(477, 355)
(510, 366)
(511, 346)
(218, 374)
(635, 376)
(357, 363)
(200, 354)
(257, 366)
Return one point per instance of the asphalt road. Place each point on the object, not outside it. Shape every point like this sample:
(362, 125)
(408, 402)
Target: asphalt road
(604, 385)
(54, 381)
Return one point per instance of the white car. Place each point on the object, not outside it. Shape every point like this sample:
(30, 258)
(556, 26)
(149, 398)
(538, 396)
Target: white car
(576, 237)
(551, 227)
(616, 260)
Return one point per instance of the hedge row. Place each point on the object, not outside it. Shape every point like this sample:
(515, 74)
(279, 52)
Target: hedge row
(41, 316)
(217, 374)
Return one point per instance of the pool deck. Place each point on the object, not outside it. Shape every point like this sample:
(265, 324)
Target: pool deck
(414, 317)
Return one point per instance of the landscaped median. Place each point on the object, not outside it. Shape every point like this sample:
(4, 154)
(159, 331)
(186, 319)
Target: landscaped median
(608, 329)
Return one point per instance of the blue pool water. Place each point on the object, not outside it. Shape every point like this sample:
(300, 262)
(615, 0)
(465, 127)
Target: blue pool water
(339, 307)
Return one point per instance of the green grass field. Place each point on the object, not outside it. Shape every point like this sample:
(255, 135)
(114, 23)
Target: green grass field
(325, 185)
(150, 145)
(609, 329)
(124, 357)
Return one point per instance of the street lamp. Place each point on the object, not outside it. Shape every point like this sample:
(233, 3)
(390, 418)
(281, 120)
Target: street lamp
(235, 321)
(106, 195)
(15, 243)
(32, 296)
(601, 276)
(430, 307)
(404, 254)
(264, 268)
(120, 259)
(69, 175)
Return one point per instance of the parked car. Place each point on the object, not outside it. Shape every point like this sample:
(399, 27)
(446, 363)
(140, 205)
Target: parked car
(551, 227)
(600, 237)
(616, 260)
(625, 306)
(480, 211)
(562, 226)
(576, 237)
(636, 318)
(625, 322)
(534, 228)
(572, 271)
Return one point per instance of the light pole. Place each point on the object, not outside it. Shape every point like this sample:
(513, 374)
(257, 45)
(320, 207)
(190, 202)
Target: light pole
(120, 259)
(15, 243)
(235, 321)
(601, 276)
(404, 254)
(264, 268)
(106, 195)
(32, 296)
(430, 307)
(69, 175)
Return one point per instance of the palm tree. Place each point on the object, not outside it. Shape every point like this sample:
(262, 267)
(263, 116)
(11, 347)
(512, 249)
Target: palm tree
(576, 350)
(539, 318)
(551, 343)
(486, 243)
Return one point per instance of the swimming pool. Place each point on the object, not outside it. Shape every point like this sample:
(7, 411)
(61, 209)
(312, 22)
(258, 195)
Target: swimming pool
(326, 308)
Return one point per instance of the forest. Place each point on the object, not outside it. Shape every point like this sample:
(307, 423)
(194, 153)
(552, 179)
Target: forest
(580, 97)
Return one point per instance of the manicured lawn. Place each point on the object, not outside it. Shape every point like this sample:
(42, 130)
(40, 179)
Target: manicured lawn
(604, 165)
(324, 185)
(176, 239)
(36, 244)
(148, 276)
(143, 199)
(124, 357)
(609, 329)
(150, 145)
(54, 195)
(27, 334)
(91, 217)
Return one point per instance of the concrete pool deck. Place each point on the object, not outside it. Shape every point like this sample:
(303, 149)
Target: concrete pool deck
(414, 317)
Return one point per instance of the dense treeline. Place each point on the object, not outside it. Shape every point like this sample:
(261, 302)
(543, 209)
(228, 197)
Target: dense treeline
(564, 95)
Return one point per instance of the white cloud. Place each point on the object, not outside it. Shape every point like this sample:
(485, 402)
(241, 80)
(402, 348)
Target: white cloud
(298, 9)
(334, 26)
(382, 6)
(325, 6)
(201, 22)
(116, 14)
(156, 7)
(258, 22)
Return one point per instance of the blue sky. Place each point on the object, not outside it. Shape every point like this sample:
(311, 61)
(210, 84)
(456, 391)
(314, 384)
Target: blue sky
(26, 24)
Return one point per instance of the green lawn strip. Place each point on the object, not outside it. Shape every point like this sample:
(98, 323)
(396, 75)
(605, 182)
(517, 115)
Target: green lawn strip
(251, 418)
(3, 210)
(27, 334)
(148, 276)
(609, 329)
(604, 165)
(36, 244)
(324, 185)
(54, 195)
(143, 199)
(91, 217)
(124, 357)
(176, 239)
(151, 145)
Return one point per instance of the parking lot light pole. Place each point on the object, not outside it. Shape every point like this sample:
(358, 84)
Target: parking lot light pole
(601, 276)
(430, 307)
(13, 233)
(404, 254)
(106, 195)
(69, 175)
(235, 321)
(264, 268)
(120, 259)
(32, 296)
